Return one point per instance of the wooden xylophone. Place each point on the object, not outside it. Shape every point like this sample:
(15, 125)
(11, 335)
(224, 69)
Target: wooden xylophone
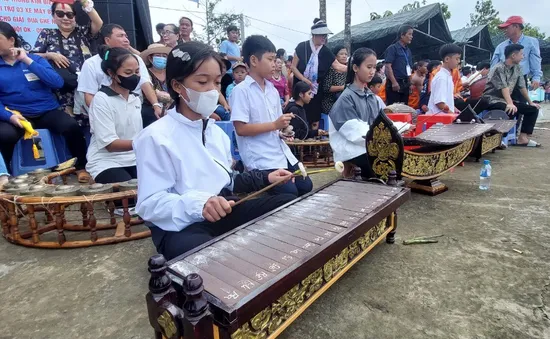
(437, 150)
(254, 281)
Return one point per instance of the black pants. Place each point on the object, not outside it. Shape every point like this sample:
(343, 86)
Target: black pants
(364, 164)
(118, 174)
(173, 244)
(148, 114)
(402, 96)
(299, 187)
(530, 113)
(58, 122)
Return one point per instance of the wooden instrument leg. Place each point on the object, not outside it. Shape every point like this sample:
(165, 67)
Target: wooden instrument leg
(392, 220)
(431, 187)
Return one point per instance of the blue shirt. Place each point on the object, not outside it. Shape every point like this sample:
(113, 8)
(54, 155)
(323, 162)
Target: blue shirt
(229, 89)
(531, 63)
(28, 88)
(399, 57)
(230, 48)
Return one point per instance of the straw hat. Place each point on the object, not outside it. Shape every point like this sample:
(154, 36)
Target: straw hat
(154, 49)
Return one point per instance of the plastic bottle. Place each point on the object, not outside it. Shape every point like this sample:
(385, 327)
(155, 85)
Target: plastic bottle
(485, 176)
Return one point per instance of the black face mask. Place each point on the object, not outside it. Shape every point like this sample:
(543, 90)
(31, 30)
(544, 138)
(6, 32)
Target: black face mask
(130, 83)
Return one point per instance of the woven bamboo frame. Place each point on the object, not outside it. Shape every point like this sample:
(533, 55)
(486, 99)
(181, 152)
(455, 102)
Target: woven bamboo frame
(19, 211)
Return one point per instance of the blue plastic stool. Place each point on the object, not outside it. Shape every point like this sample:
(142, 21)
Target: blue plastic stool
(229, 129)
(324, 124)
(511, 138)
(23, 160)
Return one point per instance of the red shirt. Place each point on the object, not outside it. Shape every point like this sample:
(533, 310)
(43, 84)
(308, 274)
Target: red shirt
(281, 85)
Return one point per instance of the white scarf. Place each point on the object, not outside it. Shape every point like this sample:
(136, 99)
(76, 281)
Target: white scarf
(312, 67)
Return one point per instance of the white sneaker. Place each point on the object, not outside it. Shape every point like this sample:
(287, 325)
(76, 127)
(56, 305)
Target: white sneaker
(3, 180)
(120, 211)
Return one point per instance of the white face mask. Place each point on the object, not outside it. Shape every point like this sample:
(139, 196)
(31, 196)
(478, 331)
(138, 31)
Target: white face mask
(203, 103)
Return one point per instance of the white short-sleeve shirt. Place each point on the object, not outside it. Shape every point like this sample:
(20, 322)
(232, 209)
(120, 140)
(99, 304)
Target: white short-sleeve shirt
(112, 118)
(92, 77)
(251, 105)
(442, 91)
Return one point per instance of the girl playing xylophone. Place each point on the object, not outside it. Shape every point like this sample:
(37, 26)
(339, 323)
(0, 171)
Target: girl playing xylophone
(354, 112)
(184, 162)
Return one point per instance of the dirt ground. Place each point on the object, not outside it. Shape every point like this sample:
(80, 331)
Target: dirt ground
(472, 284)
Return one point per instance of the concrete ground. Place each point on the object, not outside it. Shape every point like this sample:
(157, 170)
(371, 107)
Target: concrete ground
(472, 284)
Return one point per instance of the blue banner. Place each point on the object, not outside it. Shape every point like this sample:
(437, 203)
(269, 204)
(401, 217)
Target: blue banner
(28, 18)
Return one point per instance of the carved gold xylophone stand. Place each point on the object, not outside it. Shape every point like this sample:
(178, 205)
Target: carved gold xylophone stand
(36, 213)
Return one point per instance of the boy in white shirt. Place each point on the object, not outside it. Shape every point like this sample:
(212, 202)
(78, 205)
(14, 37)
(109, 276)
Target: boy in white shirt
(258, 117)
(442, 96)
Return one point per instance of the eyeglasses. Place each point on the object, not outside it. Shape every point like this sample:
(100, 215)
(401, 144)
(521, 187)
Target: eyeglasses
(167, 32)
(61, 14)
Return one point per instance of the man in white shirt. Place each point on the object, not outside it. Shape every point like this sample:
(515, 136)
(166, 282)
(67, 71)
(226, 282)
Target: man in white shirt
(258, 117)
(91, 77)
(442, 96)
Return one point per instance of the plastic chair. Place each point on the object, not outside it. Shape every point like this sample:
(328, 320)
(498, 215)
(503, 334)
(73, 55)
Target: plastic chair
(23, 161)
(425, 121)
(63, 153)
(229, 129)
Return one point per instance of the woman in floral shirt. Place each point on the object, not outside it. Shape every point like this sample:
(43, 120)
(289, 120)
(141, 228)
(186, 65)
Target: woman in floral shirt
(68, 46)
(335, 81)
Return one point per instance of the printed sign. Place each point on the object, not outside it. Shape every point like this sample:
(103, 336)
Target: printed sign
(27, 17)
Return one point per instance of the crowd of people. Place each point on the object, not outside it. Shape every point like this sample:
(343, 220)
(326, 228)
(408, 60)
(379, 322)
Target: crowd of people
(151, 113)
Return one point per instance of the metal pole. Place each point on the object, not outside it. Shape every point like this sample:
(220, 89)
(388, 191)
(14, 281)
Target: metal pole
(243, 36)
(207, 22)
(464, 55)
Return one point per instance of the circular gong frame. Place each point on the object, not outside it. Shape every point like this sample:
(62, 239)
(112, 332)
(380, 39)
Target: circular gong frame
(26, 219)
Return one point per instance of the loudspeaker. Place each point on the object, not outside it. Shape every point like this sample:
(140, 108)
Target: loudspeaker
(133, 15)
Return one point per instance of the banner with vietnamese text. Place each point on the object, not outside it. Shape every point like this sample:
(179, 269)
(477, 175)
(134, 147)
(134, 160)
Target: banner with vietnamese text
(28, 17)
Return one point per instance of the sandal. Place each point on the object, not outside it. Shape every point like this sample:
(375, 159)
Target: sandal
(83, 176)
(531, 143)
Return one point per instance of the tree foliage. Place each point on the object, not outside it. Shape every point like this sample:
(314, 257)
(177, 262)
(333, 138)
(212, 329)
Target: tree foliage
(217, 24)
(486, 14)
(409, 7)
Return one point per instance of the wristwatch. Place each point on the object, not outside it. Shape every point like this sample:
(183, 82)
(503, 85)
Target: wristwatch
(158, 105)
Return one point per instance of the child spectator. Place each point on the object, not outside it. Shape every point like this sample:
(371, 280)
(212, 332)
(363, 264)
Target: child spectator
(420, 69)
(301, 95)
(240, 70)
(375, 85)
(442, 96)
(229, 47)
(258, 117)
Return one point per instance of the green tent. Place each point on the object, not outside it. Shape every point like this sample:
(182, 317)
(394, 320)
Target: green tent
(476, 43)
(431, 32)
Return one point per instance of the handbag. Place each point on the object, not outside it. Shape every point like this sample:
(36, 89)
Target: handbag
(70, 78)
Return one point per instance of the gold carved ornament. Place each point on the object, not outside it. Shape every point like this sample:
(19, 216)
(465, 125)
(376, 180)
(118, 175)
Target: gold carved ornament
(490, 143)
(431, 165)
(166, 323)
(270, 319)
(384, 150)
